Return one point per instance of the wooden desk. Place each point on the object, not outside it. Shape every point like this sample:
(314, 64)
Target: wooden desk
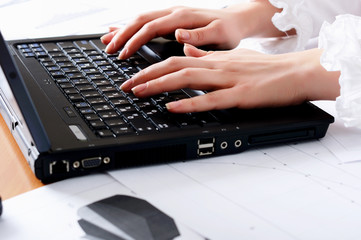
(16, 176)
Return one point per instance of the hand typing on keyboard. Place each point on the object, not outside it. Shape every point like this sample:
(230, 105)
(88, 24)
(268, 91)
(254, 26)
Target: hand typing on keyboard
(234, 78)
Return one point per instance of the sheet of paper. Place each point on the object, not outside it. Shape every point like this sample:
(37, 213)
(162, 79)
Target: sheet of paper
(50, 212)
(297, 191)
(344, 142)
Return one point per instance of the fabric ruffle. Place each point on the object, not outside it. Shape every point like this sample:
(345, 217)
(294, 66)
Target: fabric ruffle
(341, 42)
(294, 16)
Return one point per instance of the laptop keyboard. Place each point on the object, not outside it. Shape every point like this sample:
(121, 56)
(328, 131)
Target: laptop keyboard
(91, 80)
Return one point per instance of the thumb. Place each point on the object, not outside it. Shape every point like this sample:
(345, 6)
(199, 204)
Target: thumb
(196, 37)
(191, 51)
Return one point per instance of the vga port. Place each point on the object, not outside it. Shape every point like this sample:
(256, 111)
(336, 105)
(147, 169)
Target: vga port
(91, 162)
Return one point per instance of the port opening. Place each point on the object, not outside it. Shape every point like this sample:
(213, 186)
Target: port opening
(91, 162)
(206, 146)
(238, 143)
(59, 166)
(224, 145)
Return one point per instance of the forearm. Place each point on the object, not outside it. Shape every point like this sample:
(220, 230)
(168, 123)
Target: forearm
(255, 19)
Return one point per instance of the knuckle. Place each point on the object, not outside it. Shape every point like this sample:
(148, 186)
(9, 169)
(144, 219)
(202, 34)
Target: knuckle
(186, 72)
(150, 26)
(141, 18)
(172, 61)
(181, 12)
(199, 36)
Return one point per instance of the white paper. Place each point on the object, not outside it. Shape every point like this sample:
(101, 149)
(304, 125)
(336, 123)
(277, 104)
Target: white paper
(288, 192)
(50, 212)
(343, 142)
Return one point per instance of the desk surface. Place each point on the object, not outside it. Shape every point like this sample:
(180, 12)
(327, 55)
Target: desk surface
(16, 176)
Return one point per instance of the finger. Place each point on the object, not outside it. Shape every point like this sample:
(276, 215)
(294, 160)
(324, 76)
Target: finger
(200, 36)
(161, 27)
(132, 27)
(106, 38)
(112, 29)
(191, 51)
(163, 68)
(193, 78)
(216, 100)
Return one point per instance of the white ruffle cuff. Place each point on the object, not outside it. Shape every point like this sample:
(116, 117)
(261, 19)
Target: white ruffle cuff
(341, 42)
(294, 16)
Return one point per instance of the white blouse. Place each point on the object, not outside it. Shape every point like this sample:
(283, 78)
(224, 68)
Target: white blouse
(337, 25)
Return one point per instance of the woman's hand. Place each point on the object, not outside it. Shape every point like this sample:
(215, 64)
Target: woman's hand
(222, 28)
(238, 78)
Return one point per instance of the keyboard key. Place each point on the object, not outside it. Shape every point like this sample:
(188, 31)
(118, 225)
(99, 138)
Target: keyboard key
(97, 124)
(98, 44)
(70, 90)
(105, 133)
(109, 114)
(82, 105)
(50, 47)
(126, 108)
(65, 64)
(80, 81)
(84, 45)
(74, 75)
(117, 102)
(90, 94)
(85, 87)
(103, 107)
(66, 45)
(119, 131)
(72, 50)
(161, 121)
(96, 100)
(75, 97)
(92, 117)
(108, 88)
(116, 123)
(97, 76)
(86, 111)
(76, 54)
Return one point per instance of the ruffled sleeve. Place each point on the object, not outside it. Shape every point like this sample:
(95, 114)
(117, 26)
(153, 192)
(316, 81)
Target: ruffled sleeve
(294, 15)
(341, 42)
(306, 17)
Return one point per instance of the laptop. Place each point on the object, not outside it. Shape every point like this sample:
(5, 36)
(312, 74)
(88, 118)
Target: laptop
(61, 100)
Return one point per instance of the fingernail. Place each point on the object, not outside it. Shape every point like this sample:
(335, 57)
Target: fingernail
(139, 88)
(123, 54)
(173, 105)
(184, 35)
(109, 47)
(126, 84)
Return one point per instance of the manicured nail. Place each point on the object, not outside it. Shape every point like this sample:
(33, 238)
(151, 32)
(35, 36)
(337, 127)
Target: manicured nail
(109, 47)
(173, 105)
(139, 88)
(107, 36)
(126, 84)
(123, 54)
(184, 35)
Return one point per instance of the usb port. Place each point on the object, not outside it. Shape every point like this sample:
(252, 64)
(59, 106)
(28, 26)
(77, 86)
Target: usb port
(205, 146)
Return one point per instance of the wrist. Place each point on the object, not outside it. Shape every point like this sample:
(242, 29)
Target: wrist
(315, 82)
(255, 19)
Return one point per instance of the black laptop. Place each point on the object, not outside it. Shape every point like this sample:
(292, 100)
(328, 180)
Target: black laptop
(61, 99)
